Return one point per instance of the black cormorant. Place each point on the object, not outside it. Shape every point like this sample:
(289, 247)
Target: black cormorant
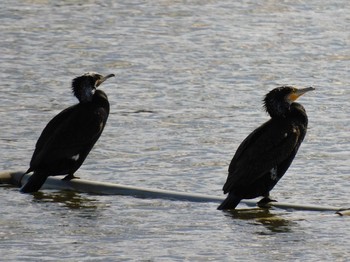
(266, 154)
(68, 138)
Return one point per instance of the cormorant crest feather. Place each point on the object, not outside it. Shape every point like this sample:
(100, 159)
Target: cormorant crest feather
(83, 86)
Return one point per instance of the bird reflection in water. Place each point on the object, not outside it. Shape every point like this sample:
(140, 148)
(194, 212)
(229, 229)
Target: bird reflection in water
(70, 199)
(263, 216)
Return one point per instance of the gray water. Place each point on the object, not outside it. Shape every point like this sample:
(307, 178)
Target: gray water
(190, 77)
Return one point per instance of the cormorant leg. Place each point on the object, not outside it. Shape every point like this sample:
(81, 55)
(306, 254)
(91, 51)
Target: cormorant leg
(70, 177)
(263, 202)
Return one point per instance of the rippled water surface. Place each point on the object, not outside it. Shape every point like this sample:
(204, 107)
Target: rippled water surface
(190, 79)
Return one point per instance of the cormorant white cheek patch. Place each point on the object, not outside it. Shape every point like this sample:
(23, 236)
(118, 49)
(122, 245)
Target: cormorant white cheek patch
(76, 157)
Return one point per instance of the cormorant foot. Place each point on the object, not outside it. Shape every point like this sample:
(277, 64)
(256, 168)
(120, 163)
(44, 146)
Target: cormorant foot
(263, 203)
(69, 177)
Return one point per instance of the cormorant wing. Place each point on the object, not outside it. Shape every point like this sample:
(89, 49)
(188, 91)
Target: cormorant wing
(51, 127)
(68, 138)
(265, 148)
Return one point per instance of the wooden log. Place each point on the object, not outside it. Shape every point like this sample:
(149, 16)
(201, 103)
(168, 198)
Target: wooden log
(105, 188)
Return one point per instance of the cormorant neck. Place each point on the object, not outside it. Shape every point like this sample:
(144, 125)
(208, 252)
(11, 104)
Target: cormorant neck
(298, 110)
(83, 93)
(294, 110)
(86, 95)
(99, 94)
(277, 110)
(100, 99)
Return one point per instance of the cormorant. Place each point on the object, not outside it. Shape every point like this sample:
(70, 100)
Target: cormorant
(266, 154)
(68, 138)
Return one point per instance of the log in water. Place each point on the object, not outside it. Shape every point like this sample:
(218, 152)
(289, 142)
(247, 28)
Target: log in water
(104, 188)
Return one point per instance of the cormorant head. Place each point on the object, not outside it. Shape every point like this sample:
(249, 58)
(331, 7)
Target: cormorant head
(83, 87)
(277, 102)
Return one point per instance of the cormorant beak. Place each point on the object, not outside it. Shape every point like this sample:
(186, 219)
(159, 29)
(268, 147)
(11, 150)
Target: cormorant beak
(299, 92)
(102, 79)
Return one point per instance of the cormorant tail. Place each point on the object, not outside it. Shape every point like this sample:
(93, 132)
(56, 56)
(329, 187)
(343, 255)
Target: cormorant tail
(230, 202)
(34, 183)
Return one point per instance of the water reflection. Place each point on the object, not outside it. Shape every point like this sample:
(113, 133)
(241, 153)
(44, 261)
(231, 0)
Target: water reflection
(68, 199)
(273, 222)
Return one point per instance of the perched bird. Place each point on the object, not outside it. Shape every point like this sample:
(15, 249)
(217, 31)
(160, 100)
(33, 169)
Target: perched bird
(68, 138)
(266, 154)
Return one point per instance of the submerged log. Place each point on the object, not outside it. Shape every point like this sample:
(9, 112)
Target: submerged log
(105, 188)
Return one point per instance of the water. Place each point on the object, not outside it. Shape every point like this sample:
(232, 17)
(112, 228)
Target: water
(190, 79)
